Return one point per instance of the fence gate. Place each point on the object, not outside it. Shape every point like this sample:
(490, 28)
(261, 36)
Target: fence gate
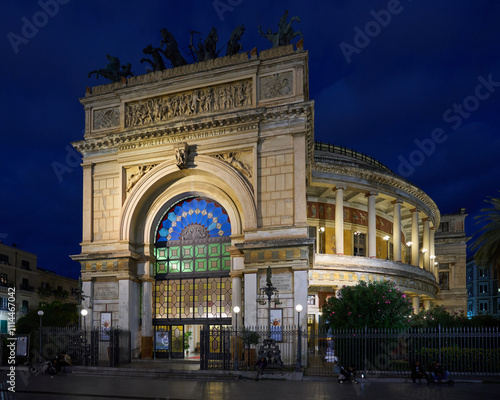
(215, 347)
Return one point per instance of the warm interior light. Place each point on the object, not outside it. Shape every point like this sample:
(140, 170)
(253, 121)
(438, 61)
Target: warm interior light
(409, 243)
(386, 238)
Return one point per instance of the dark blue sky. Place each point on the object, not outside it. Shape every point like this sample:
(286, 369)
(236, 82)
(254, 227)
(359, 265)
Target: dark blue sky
(413, 83)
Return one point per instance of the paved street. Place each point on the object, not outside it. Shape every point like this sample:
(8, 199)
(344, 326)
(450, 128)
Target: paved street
(90, 387)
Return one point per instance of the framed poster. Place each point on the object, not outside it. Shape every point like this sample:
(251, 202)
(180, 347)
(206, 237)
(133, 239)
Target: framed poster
(277, 324)
(105, 325)
(162, 340)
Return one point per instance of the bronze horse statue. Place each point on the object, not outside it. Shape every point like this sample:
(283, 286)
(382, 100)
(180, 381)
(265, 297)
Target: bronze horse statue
(154, 52)
(112, 71)
(233, 45)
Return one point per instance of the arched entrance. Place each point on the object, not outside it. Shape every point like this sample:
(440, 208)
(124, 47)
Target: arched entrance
(192, 284)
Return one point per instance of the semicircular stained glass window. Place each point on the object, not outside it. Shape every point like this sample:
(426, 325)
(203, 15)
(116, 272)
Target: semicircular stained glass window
(193, 237)
(194, 214)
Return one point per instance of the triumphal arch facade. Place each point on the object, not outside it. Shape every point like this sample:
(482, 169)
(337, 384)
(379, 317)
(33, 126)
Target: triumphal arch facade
(194, 182)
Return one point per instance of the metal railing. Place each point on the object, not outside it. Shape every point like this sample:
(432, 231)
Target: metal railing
(342, 150)
(464, 351)
(230, 349)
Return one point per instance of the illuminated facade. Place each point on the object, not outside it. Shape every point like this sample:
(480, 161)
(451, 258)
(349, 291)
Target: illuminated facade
(198, 178)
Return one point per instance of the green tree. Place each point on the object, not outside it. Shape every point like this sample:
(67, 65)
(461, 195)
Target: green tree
(488, 243)
(56, 313)
(374, 305)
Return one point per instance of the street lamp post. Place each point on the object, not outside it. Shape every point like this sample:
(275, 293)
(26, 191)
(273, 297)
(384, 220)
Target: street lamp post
(40, 314)
(84, 313)
(236, 310)
(298, 307)
(386, 238)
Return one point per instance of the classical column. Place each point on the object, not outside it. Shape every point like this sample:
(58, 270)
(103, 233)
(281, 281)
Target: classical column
(250, 299)
(426, 244)
(427, 304)
(432, 250)
(396, 230)
(416, 304)
(339, 220)
(128, 317)
(372, 225)
(414, 238)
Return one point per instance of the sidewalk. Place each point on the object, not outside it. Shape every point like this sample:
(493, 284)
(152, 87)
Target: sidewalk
(185, 369)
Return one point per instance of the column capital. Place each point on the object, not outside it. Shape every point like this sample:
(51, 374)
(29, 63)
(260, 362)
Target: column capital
(397, 201)
(371, 194)
(426, 219)
(415, 210)
(340, 188)
(432, 228)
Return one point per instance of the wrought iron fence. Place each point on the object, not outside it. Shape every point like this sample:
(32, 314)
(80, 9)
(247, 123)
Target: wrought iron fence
(465, 351)
(95, 347)
(227, 348)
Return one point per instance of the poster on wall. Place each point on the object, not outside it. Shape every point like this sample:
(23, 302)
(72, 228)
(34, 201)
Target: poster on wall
(105, 325)
(277, 324)
(162, 341)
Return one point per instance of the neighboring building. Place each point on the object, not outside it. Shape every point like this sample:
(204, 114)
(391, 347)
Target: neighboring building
(482, 290)
(451, 257)
(197, 178)
(18, 268)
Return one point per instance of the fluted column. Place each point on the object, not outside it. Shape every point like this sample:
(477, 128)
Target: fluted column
(414, 238)
(339, 220)
(396, 230)
(372, 225)
(426, 244)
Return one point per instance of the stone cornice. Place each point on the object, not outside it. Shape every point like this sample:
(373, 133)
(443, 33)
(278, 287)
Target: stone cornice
(378, 178)
(194, 128)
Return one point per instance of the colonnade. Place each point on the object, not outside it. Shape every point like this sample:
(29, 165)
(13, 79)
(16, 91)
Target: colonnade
(422, 250)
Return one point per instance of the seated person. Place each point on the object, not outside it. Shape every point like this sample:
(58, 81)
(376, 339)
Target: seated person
(439, 373)
(417, 372)
(262, 363)
(62, 362)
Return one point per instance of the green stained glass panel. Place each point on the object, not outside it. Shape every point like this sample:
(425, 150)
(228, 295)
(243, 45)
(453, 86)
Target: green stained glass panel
(200, 251)
(226, 263)
(201, 265)
(161, 268)
(174, 266)
(187, 266)
(213, 264)
(225, 248)
(213, 249)
(187, 251)
(174, 253)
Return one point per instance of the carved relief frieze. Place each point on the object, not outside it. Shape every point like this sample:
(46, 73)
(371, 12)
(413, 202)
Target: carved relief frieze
(211, 99)
(106, 118)
(134, 174)
(240, 160)
(277, 85)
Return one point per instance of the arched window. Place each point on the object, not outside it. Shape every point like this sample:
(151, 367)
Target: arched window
(193, 262)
